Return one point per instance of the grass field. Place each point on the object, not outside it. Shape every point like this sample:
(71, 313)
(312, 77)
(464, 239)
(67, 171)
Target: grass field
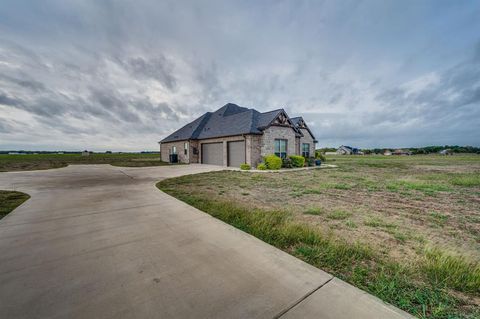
(9, 200)
(406, 229)
(46, 161)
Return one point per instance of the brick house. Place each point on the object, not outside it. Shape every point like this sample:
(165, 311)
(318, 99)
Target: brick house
(233, 135)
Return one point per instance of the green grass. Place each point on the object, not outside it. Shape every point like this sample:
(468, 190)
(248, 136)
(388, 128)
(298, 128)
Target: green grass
(438, 219)
(339, 215)
(47, 161)
(452, 271)
(314, 211)
(403, 286)
(9, 200)
(378, 222)
(351, 224)
(466, 180)
(422, 186)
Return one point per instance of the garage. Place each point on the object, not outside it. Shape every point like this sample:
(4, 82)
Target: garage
(236, 153)
(212, 153)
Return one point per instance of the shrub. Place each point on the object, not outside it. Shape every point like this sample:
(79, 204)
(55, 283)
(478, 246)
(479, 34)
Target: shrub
(287, 162)
(297, 161)
(245, 167)
(310, 161)
(262, 166)
(273, 161)
(319, 155)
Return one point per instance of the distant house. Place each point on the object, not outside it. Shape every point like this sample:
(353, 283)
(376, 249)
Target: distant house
(446, 152)
(348, 150)
(85, 153)
(387, 153)
(402, 152)
(233, 135)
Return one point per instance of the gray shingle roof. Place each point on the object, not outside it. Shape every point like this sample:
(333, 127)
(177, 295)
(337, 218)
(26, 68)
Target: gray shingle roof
(296, 121)
(228, 120)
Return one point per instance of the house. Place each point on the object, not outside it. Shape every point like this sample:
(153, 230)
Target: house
(387, 153)
(348, 150)
(85, 153)
(401, 152)
(446, 152)
(233, 135)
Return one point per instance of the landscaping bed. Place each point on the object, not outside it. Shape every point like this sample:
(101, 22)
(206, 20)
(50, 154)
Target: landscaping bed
(406, 229)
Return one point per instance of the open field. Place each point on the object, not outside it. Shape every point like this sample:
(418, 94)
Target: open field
(46, 161)
(9, 200)
(406, 229)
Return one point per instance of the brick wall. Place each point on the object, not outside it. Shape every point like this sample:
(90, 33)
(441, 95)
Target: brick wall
(166, 149)
(277, 132)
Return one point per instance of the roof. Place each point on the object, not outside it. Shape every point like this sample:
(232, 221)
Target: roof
(299, 123)
(228, 120)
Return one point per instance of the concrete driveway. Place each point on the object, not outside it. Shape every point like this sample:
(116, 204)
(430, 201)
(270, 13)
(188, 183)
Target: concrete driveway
(97, 241)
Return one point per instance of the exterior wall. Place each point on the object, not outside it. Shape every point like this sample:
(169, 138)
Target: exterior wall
(194, 158)
(277, 132)
(307, 138)
(165, 150)
(224, 140)
(253, 145)
(297, 146)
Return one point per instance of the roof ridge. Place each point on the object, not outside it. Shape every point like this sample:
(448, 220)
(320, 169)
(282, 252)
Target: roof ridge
(276, 110)
(201, 125)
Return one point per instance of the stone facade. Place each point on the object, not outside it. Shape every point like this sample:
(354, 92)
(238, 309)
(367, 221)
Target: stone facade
(253, 149)
(307, 138)
(277, 132)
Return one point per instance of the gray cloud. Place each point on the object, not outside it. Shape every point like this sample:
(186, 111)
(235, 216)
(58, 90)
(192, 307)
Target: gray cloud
(157, 68)
(6, 100)
(120, 75)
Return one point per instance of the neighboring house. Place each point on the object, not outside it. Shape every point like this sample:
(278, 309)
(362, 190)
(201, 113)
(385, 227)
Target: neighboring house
(446, 152)
(348, 150)
(387, 153)
(233, 135)
(402, 152)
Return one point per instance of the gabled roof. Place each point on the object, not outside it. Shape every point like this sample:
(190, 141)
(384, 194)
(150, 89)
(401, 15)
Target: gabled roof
(228, 120)
(300, 123)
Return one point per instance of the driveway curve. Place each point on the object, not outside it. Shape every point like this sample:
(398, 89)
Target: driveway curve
(98, 241)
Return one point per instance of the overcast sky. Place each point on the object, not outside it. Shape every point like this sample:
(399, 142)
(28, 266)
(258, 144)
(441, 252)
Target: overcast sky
(121, 75)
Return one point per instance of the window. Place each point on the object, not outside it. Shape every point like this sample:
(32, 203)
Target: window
(281, 148)
(306, 150)
(185, 148)
(174, 150)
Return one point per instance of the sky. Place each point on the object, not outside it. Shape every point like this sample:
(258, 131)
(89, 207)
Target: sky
(121, 75)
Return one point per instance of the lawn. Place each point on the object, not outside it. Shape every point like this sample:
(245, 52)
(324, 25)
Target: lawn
(9, 200)
(406, 229)
(46, 161)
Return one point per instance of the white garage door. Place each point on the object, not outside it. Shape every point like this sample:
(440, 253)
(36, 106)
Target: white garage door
(236, 153)
(212, 153)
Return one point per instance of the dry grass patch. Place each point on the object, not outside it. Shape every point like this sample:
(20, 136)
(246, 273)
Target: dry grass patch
(395, 206)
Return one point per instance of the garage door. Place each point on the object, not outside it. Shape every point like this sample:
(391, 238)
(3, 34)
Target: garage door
(212, 153)
(236, 153)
